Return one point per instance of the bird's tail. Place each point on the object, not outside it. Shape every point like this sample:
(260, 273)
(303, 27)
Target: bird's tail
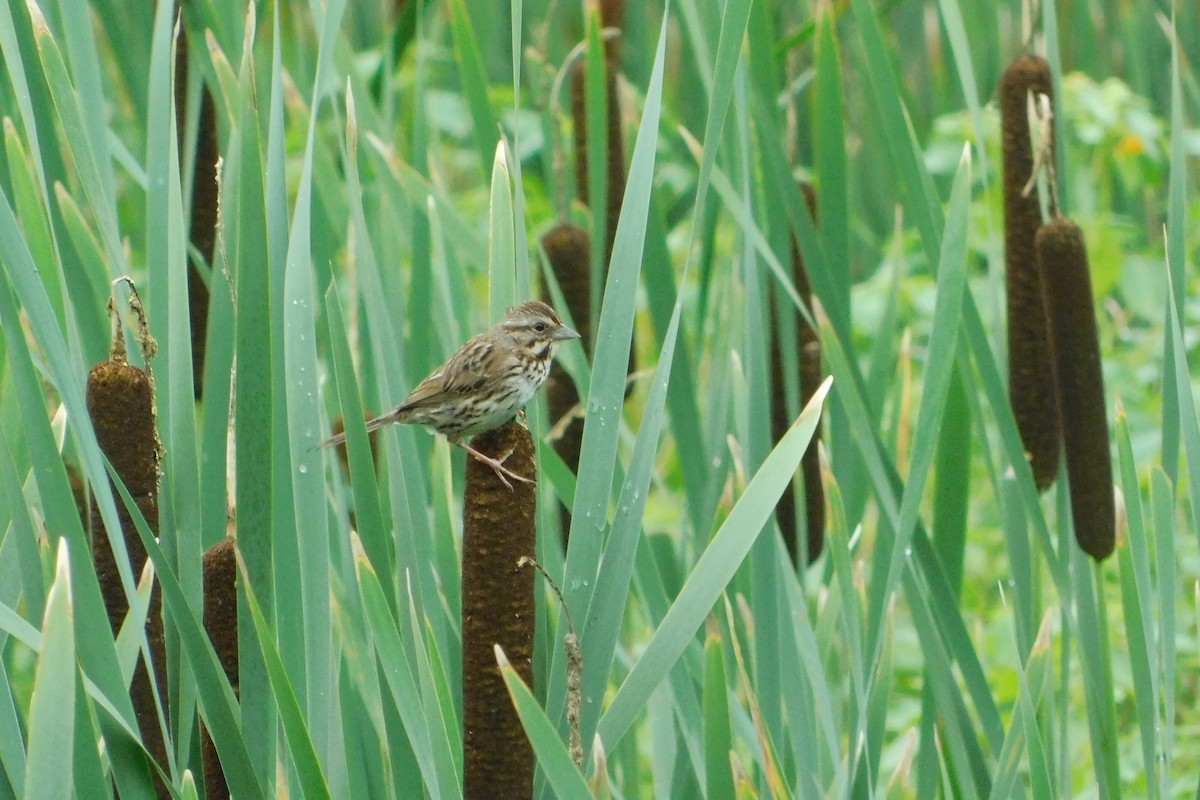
(372, 426)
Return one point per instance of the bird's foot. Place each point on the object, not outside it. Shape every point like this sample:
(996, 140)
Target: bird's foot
(497, 465)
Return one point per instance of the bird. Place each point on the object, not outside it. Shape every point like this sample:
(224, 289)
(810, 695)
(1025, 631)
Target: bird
(485, 384)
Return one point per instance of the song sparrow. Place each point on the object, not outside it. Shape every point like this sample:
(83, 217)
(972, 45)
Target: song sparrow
(485, 383)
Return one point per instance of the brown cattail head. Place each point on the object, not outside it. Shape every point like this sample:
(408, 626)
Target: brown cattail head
(1062, 261)
(1030, 379)
(568, 250)
(497, 608)
(220, 622)
(120, 403)
(809, 349)
(612, 13)
(204, 204)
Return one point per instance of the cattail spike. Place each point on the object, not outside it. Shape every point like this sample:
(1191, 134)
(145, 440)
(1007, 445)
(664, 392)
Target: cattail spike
(1030, 378)
(1062, 262)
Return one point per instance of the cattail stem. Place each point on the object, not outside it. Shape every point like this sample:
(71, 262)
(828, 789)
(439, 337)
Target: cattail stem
(1062, 261)
(497, 608)
(1030, 376)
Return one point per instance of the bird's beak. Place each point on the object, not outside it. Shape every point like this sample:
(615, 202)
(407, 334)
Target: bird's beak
(564, 333)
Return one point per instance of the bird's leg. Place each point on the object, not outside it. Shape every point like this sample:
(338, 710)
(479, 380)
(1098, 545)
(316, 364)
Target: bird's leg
(496, 464)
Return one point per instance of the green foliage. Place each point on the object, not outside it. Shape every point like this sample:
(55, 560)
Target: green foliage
(950, 641)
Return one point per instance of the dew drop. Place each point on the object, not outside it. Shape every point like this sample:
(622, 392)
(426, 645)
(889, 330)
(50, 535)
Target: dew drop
(304, 469)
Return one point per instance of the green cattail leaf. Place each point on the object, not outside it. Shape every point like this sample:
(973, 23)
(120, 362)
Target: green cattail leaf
(48, 774)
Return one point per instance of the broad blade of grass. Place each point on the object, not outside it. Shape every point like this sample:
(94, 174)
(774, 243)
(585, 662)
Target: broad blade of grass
(502, 275)
(52, 711)
(220, 708)
(560, 771)
(718, 738)
(474, 82)
(951, 276)
(1176, 235)
(713, 571)
(597, 462)
(291, 716)
(1136, 598)
(1162, 499)
(95, 643)
(436, 762)
(77, 141)
(604, 616)
(1187, 407)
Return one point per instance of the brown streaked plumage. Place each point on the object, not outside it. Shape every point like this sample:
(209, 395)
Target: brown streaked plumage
(485, 383)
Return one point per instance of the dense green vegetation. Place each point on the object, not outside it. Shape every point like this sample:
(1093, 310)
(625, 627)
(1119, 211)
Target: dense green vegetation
(387, 171)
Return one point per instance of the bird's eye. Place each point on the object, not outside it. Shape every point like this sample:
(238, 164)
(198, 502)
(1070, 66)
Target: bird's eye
(539, 327)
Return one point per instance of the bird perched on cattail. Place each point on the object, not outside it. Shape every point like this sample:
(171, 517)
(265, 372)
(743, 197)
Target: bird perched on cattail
(485, 383)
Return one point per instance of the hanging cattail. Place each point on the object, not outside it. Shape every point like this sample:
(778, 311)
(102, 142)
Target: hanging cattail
(1030, 378)
(120, 403)
(809, 349)
(497, 608)
(1062, 262)
(221, 624)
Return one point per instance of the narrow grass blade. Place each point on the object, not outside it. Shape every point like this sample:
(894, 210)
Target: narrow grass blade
(1137, 598)
(602, 426)
(943, 342)
(474, 82)
(217, 702)
(718, 738)
(606, 612)
(560, 771)
(1162, 499)
(12, 734)
(52, 713)
(97, 655)
(77, 142)
(291, 716)
(502, 274)
(1176, 234)
(1095, 659)
(436, 764)
(1187, 407)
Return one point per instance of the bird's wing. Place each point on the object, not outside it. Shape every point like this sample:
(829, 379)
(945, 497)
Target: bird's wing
(465, 372)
